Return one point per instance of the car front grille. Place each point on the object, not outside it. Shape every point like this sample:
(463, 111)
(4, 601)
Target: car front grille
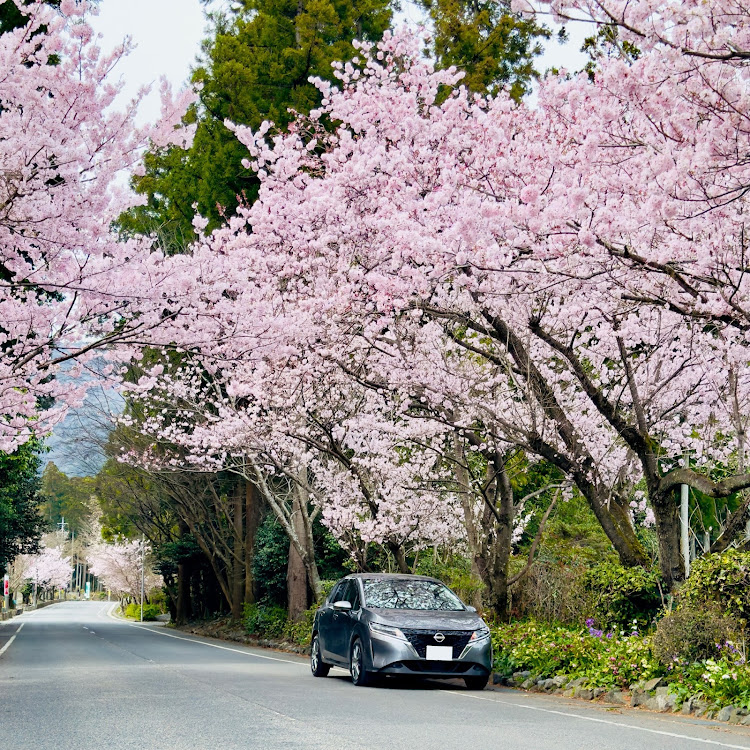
(420, 639)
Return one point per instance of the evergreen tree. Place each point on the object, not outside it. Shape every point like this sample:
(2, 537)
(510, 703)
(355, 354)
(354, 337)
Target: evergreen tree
(492, 45)
(21, 524)
(256, 66)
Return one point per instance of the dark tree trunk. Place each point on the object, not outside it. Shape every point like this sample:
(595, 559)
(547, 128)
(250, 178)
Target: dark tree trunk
(238, 558)
(296, 574)
(667, 520)
(252, 522)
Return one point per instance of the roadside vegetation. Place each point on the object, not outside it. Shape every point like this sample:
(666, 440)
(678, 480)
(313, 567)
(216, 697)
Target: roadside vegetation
(364, 312)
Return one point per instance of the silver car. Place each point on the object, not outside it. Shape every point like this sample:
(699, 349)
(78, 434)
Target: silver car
(384, 624)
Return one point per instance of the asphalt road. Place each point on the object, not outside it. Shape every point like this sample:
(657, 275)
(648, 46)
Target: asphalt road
(74, 678)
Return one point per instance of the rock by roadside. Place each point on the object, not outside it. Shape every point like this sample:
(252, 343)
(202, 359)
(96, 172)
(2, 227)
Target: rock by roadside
(651, 695)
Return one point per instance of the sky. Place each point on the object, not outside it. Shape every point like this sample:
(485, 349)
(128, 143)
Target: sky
(167, 33)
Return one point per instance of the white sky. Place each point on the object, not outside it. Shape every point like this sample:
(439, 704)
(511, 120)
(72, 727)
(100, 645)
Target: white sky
(167, 34)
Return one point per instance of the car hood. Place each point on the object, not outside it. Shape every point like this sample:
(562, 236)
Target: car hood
(426, 620)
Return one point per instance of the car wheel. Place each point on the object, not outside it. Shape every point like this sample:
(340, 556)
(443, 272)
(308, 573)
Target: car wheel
(477, 683)
(360, 676)
(317, 666)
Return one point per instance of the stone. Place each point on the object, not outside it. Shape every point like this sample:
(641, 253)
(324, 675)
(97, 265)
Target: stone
(521, 676)
(745, 721)
(528, 684)
(560, 680)
(584, 694)
(569, 693)
(724, 713)
(616, 696)
(651, 684)
(549, 685)
(577, 682)
(638, 697)
(652, 704)
(498, 679)
(599, 692)
(662, 690)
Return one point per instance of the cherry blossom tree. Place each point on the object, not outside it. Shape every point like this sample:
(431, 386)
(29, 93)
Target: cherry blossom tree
(450, 251)
(49, 569)
(67, 285)
(119, 566)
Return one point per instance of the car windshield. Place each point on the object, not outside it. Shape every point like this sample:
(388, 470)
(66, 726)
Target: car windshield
(403, 593)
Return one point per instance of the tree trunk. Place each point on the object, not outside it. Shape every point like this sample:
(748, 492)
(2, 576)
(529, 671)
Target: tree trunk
(296, 574)
(252, 522)
(667, 520)
(238, 558)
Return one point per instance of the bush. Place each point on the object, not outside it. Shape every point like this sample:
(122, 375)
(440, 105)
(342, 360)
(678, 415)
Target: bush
(546, 651)
(720, 582)
(690, 635)
(150, 611)
(266, 620)
(552, 592)
(623, 596)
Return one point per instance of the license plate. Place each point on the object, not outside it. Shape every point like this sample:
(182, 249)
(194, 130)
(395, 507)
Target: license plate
(440, 653)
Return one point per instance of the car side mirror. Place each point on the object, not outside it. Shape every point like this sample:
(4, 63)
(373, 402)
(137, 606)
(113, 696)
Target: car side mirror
(342, 606)
(470, 608)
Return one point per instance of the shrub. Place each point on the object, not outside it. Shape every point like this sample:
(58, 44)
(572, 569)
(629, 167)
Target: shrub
(622, 596)
(689, 635)
(266, 620)
(150, 611)
(546, 651)
(719, 581)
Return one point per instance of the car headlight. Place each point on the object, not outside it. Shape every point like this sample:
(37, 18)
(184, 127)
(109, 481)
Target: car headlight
(481, 634)
(381, 629)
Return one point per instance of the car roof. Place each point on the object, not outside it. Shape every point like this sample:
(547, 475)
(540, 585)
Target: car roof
(399, 576)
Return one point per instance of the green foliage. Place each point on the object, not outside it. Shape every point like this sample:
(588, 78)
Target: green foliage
(622, 596)
(66, 497)
(255, 67)
(265, 620)
(719, 581)
(690, 635)
(493, 46)
(272, 556)
(150, 611)
(21, 525)
(550, 650)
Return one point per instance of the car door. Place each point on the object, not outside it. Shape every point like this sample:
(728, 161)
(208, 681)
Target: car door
(326, 623)
(344, 621)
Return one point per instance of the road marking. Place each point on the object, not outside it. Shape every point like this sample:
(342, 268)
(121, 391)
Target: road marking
(10, 640)
(602, 721)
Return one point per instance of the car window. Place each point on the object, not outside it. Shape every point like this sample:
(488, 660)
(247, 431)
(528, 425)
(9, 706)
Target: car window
(405, 593)
(335, 595)
(352, 594)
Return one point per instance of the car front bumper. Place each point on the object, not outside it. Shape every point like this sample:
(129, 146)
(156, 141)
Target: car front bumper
(395, 656)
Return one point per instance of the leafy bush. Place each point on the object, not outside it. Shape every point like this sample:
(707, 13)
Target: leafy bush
(150, 611)
(719, 581)
(546, 651)
(266, 620)
(690, 635)
(621, 596)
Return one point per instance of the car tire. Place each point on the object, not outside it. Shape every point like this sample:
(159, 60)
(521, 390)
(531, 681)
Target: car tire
(360, 676)
(317, 666)
(476, 682)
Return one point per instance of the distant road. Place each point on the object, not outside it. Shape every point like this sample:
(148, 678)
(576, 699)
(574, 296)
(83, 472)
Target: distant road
(73, 678)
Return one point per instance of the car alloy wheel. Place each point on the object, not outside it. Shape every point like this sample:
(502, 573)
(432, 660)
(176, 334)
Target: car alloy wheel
(317, 666)
(360, 676)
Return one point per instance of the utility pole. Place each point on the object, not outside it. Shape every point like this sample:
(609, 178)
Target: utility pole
(143, 570)
(685, 527)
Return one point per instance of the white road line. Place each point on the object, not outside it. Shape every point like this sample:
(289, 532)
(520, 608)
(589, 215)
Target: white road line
(602, 721)
(10, 640)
